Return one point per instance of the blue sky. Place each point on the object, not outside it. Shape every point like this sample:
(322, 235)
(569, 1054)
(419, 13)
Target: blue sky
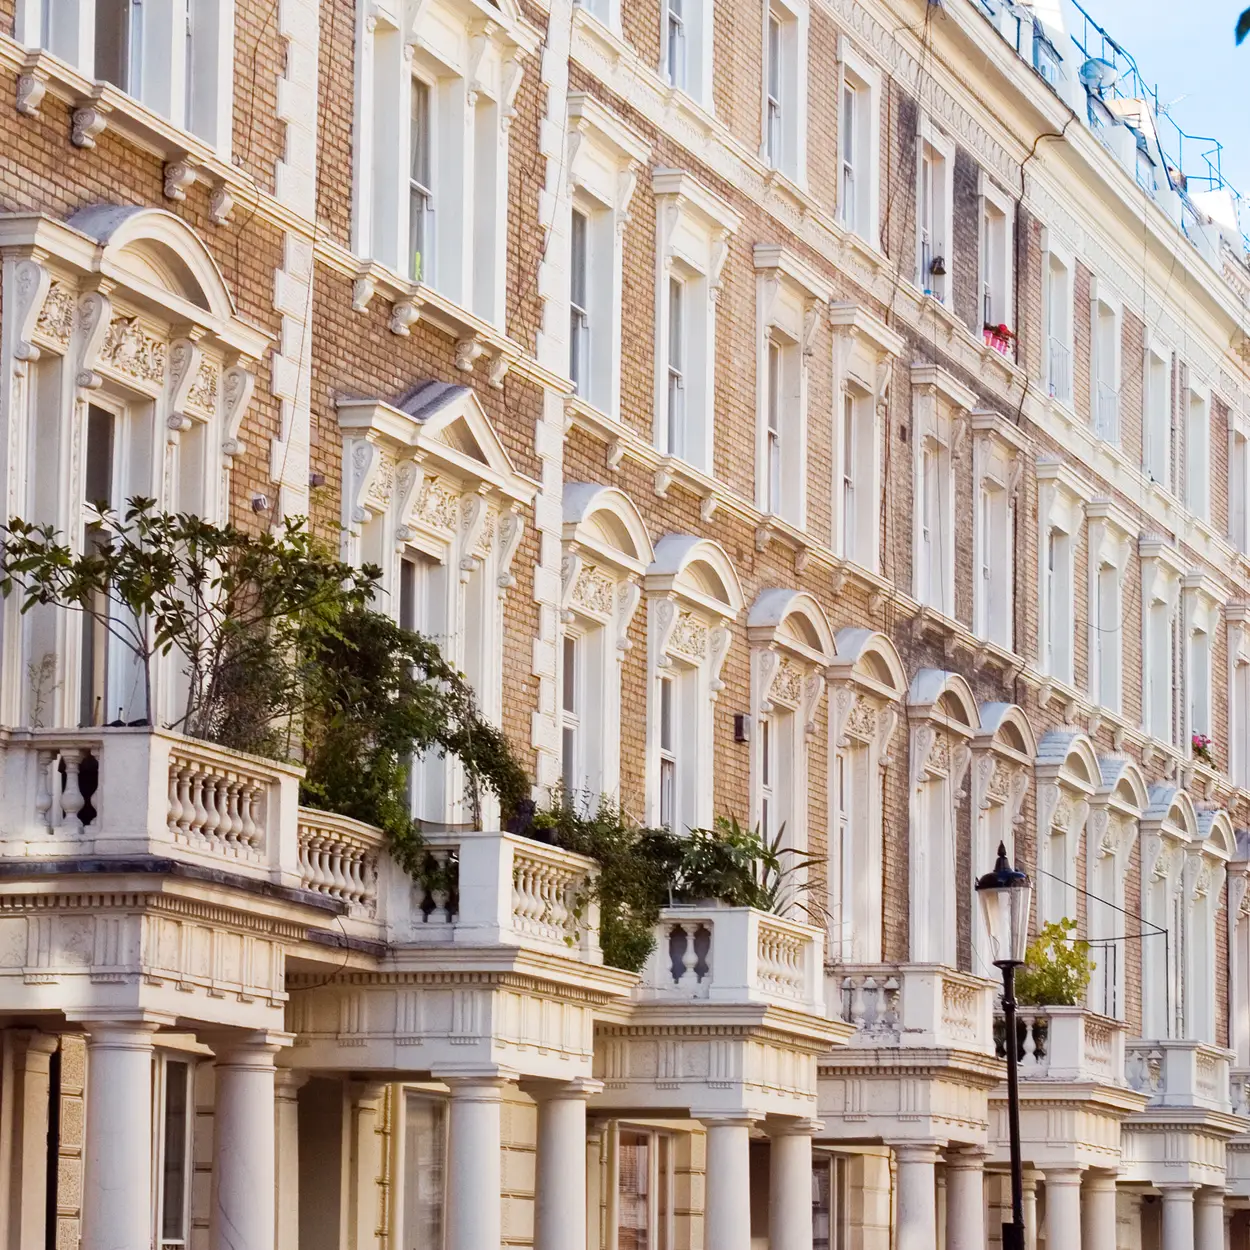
(1187, 48)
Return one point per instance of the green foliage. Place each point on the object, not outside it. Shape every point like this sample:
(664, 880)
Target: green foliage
(1243, 26)
(642, 870)
(377, 695)
(1057, 968)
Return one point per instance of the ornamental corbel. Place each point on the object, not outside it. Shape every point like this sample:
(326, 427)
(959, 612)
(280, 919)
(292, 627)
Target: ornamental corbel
(1237, 893)
(888, 719)
(982, 774)
(363, 289)
(509, 530)
(95, 311)
(626, 183)
(409, 479)
(628, 596)
(719, 645)
(663, 611)
(179, 178)
(720, 254)
(961, 758)
(405, 313)
(31, 284)
(365, 459)
(765, 663)
(221, 205)
(842, 702)
(1047, 805)
(184, 364)
(32, 86)
(1152, 857)
(467, 351)
(813, 692)
(513, 72)
(924, 740)
(473, 514)
(1017, 790)
(570, 570)
(88, 122)
(499, 366)
(811, 322)
(238, 384)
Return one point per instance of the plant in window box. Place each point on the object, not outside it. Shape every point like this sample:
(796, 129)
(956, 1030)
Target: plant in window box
(999, 337)
(1203, 749)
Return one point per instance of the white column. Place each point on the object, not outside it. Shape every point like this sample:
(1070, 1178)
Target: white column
(1098, 1216)
(560, 1193)
(917, 1195)
(474, 1172)
(727, 1224)
(1209, 1220)
(1030, 1180)
(965, 1199)
(241, 1216)
(790, 1185)
(1063, 1208)
(1178, 1216)
(287, 1084)
(28, 1161)
(117, 1154)
(366, 1104)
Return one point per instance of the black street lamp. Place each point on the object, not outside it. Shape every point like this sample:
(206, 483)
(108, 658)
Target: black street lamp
(1005, 897)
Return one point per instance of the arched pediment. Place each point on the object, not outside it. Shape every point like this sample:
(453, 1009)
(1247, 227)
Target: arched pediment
(1215, 828)
(151, 249)
(1004, 727)
(1070, 754)
(870, 657)
(605, 521)
(945, 696)
(699, 569)
(794, 619)
(1171, 806)
(1123, 784)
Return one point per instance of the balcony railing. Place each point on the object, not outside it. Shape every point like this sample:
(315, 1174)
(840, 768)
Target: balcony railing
(1107, 414)
(922, 1005)
(735, 955)
(1065, 1044)
(1180, 1074)
(1060, 370)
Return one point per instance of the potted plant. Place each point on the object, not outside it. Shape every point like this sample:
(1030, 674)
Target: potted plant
(998, 337)
(1056, 973)
(1203, 749)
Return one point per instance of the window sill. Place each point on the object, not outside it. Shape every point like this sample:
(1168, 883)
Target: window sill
(97, 107)
(412, 302)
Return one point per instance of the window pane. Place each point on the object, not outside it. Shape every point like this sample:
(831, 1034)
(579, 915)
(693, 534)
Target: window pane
(633, 1193)
(99, 469)
(822, 1209)
(112, 42)
(174, 1154)
(570, 674)
(425, 1147)
(420, 195)
(666, 714)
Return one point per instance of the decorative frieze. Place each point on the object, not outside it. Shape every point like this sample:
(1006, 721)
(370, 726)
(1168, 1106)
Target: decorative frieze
(131, 350)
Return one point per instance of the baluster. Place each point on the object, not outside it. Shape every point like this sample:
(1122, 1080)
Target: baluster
(440, 896)
(248, 797)
(892, 991)
(1030, 1042)
(43, 789)
(186, 809)
(305, 865)
(198, 814)
(334, 857)
(232, 813)
(689, 957)
(542, 900)
(853, 1001)
(72, 800)
(225, 826)
(174, 814)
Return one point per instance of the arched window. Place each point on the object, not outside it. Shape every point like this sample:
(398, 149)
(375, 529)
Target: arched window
(430, 495)
(1206, 867)
(1067, 775)
(1115, 809)
(130, 375)
(606, 553)
(1002, 768)
(944, 719)
(791, 643)
(692, 596)
(867, 682)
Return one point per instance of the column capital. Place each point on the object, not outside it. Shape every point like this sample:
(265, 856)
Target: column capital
(114, 1028)
(465, 1088)
(797, 1127)
(966, 1158)
(917, 1151)
(247, 1050)
(1209, 1196)
(1069, 1174)
(579, 1089)
(730, 1119)
(1100, 1179)
(287, 1082)
(1175, 1190)
(365, 1093)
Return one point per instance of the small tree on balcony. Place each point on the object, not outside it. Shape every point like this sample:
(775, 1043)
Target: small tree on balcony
(1057, 968)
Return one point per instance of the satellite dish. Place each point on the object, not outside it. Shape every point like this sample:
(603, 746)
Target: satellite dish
(1097, 73)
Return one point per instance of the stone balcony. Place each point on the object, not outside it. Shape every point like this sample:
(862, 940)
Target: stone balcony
(1181, 1074)
(1066, 1044)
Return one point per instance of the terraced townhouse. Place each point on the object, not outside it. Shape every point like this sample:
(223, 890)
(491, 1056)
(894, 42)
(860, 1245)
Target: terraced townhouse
(830, 413)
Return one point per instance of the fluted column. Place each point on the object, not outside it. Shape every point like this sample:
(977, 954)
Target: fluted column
(965, 1199)
(1178, 1216)
(117, 1155)
(917, 1194)
(727, 1223)
(474, 1170)
(1209, 1220)
(242, 1215)
(790, 1185)
(1098, 1215)
(1063, 1208)
(287, 1084)
(560, 1195)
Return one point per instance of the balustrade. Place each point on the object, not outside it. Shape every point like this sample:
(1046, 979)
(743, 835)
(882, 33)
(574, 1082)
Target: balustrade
(1180, 1073)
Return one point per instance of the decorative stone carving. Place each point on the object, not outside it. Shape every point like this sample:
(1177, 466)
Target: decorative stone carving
(861, 722)
(56, 318)
(179, 175)
(439, 505)
(787, 686)
(130, 350)
(593, 591)
(203, 392)
(87, 123)
(382, 484)
(689, 637)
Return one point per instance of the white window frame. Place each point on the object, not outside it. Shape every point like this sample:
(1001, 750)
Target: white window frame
(1066, 775)
(695, 18)
(940, 411)
(408, 1169)
(1238, 480)
(1162, 571)
(1237, 624)
(997, 254)
(605, 158)
(1058, 319)
(693, 228)
(1105, 321)
(864, 351)
(789, 300)
(1061, 500)
(1110, 532)
(1201, 601)
(162, 1080)
(935, 192)
(688, 639)
(1197, 432)
(660, 1184)
(859, 210)
(473, 75)
(1157, 394)
(997, 466)
(783, 117)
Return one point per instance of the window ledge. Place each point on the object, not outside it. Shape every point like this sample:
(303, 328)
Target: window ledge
(412, 302)
(99, 106)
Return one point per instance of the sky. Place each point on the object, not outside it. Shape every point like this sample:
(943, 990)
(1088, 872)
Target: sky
(1186, 47)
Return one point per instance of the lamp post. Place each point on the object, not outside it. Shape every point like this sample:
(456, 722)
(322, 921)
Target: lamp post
(1005, 896)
